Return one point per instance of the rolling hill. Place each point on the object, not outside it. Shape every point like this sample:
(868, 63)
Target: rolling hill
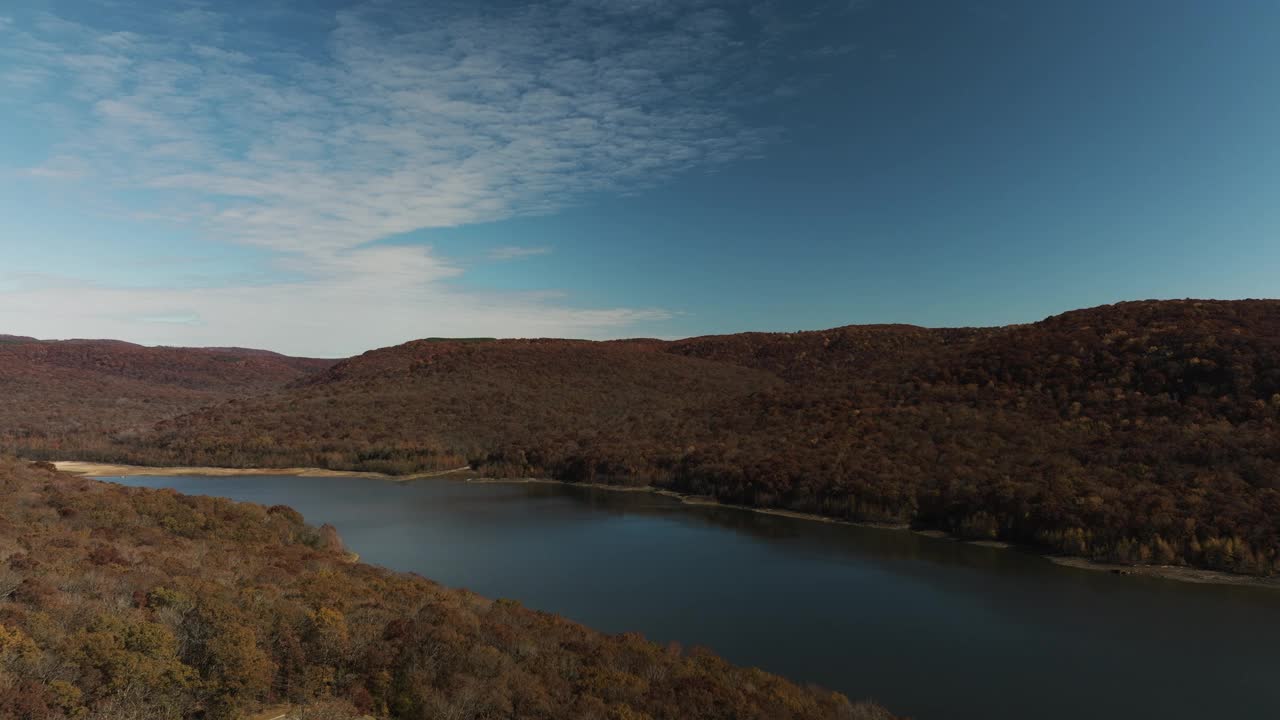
(434, 405)
(1143, 432)
(76, 395)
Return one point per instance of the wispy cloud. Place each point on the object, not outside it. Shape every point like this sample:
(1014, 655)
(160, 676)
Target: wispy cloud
(394, 117)
(515, 252)
(63, 167)
(330, 317)
(179, 319)
(412, 118)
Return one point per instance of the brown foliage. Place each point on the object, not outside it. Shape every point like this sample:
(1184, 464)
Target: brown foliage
(1137, 432)
(207, 624)
(1141, 432)
(74, 396)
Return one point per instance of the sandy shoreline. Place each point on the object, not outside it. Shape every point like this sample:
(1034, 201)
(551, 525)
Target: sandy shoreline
(108, 470)
(1167, 572)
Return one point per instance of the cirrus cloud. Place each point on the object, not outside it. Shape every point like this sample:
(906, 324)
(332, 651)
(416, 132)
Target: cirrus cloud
(409, 119)
(384, 118)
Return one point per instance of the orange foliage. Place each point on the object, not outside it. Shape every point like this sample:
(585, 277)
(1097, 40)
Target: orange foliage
(250, 608)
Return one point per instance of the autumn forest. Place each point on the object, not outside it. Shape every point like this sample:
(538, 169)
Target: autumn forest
(132, 604)
(1141, 432)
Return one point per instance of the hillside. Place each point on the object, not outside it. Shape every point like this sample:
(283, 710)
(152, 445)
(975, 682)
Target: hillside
(1138, 432)
(133, 604)
(441, 404)
(75, 395)
(836, 356)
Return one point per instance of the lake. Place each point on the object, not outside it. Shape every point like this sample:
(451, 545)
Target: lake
(930, 628)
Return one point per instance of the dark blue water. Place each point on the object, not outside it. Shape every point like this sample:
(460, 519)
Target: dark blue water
(930, 628)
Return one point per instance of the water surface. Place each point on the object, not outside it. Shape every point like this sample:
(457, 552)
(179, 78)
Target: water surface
(930, 628)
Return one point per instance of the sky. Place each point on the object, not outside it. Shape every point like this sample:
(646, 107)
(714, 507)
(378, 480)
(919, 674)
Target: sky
(322, 178)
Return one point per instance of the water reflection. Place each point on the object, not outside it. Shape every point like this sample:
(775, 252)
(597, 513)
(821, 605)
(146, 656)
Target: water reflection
(932, 628)
(887, 547)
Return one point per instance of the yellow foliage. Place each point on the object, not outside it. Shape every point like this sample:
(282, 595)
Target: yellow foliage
(16, 646)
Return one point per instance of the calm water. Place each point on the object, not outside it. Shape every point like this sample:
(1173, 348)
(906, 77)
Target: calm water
(930, 628)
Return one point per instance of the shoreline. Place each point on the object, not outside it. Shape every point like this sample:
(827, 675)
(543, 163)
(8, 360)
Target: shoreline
(697, 500)
(1180, 573)
(109, 469)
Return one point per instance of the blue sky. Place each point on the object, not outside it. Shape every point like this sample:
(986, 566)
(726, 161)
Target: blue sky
(322, 178)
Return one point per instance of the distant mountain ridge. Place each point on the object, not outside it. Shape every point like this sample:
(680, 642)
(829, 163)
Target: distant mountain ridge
(200, 368)
(71, 395)
(1137, 432)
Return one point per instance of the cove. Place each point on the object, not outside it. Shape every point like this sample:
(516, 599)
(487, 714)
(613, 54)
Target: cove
(930, 628)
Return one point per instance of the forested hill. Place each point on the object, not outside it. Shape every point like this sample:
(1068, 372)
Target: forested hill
(75, 395)
(134, 604)
(194, 368)
(832, 356)
(435, 405)
(1137, 432)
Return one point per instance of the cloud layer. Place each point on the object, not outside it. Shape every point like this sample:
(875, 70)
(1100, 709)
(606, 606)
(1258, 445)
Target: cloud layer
(381, 119)
(332, 317)
(406, 119)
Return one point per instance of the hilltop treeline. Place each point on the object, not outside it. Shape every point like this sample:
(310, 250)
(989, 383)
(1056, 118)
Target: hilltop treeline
(1137, 432)
(66, 397)
(135, 604)
(434, 405)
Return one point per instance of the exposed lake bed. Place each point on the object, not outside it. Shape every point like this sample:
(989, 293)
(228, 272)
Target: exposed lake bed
(932, 628)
